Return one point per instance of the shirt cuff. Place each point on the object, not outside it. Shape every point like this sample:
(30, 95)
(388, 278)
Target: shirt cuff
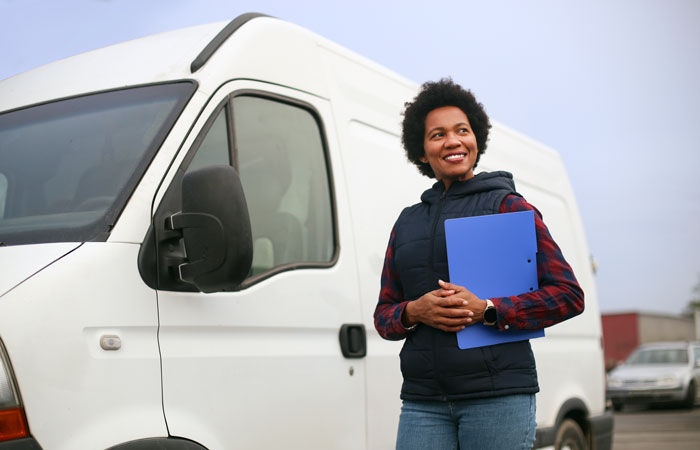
(501, 322)
(412, 327)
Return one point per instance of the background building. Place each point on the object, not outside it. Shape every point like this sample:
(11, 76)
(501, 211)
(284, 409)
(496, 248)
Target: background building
(625, 331)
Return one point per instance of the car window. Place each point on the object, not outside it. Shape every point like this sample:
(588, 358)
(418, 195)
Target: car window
(214, 149)
(282, 163)
(659, 356)
(278, 149)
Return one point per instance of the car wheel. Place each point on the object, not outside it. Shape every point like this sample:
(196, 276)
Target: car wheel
(570, 437)
(689, 401)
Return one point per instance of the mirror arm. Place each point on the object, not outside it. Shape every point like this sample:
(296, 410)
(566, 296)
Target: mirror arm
(207, 258)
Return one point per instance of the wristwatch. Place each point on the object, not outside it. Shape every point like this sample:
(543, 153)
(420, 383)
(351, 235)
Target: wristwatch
(490, 313)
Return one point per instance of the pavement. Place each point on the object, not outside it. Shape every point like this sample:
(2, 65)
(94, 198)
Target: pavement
(639, 428)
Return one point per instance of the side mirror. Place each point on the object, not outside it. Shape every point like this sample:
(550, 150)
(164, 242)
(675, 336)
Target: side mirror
(215, 228)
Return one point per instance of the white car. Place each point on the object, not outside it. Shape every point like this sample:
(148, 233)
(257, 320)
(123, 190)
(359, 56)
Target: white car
(666, 372)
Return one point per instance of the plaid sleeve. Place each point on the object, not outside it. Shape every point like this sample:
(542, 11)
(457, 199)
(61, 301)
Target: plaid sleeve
(559, 296)
(387, 314)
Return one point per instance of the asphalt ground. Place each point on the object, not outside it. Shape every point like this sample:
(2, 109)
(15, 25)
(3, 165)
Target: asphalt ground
(658, 428)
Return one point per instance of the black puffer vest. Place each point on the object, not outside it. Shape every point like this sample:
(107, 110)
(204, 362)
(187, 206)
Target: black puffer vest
(433, 366)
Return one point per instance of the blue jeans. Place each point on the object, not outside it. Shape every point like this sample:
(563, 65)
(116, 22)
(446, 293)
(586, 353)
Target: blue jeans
(497, 423)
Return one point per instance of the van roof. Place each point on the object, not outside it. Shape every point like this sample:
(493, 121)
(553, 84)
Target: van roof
(220, 38)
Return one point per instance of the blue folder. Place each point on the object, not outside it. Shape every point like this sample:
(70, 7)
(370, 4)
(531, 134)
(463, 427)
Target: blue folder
(493, 256)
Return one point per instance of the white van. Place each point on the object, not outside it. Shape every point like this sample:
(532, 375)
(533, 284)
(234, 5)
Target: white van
(150, 297)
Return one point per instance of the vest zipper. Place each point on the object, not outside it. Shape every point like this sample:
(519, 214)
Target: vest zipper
(432, 235)
(436, 358)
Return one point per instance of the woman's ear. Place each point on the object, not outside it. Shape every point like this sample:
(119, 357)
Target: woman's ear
(423, 159)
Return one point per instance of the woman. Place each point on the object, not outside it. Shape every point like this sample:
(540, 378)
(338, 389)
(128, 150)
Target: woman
(481, 398)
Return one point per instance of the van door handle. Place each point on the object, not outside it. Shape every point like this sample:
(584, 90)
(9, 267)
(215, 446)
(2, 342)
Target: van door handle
(353, 340)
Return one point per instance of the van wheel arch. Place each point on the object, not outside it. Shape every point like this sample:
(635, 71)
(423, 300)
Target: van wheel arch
(576, 410)
(162, 443)
(571, 411)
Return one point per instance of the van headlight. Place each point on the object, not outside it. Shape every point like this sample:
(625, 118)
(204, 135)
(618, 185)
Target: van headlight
(13, 424)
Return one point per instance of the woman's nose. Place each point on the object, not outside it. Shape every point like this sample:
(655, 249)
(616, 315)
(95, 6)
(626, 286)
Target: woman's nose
(451, 140)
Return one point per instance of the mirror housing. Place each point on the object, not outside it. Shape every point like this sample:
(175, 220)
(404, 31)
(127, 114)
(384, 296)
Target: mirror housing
(215, 228)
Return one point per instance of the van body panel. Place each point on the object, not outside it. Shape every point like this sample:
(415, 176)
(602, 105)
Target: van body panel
(75, 394)
(20, 263)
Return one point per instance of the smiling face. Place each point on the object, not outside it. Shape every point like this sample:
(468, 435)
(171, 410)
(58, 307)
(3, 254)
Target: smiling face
(450, 145)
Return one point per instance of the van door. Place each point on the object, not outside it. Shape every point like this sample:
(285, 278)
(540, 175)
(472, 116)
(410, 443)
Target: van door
(263, 367)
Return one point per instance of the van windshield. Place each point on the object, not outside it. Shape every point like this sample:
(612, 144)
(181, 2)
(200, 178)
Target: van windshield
(68, 167)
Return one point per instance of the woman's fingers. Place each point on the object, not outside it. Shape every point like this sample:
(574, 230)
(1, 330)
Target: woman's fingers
(456, 311)
(450, 286)
(455, 287)
(451, 302)
(448, 313)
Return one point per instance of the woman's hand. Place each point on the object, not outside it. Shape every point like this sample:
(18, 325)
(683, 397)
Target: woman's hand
(474, 303)
(450, 308)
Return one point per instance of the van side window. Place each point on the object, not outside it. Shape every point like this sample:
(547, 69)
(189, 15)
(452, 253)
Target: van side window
(214, 148)
(281, 160)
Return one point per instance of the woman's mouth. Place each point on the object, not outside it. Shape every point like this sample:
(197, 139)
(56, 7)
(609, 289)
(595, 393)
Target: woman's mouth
(455, 157)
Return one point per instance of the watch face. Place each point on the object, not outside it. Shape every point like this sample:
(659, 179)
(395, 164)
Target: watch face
(490, 315)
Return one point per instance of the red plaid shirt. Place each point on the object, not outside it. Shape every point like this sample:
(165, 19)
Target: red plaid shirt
(558, 298)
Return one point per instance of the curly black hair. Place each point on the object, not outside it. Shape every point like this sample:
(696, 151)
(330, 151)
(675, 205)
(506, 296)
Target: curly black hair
(433, 95)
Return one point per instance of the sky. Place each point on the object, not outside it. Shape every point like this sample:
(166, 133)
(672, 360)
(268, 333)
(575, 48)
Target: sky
(612, 85)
